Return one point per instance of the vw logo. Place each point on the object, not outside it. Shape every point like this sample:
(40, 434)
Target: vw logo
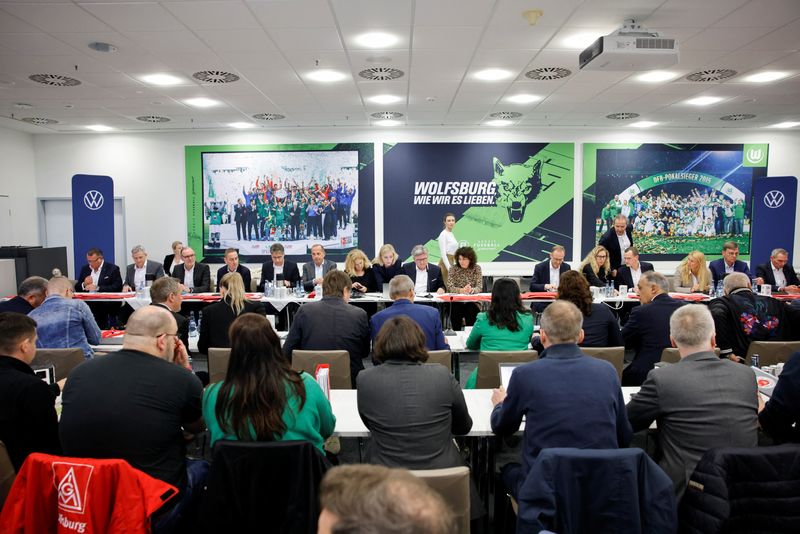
(94, 200)
(774, 199)
(754, 155)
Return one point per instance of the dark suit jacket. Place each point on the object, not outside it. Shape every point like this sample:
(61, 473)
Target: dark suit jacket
(110, 280)
(242, 270)
(717, 268)
(781, 416)
(700, 403)
(384, 275)
(541, 274)
(309, 270)
(331, 324)
(610, 241)
(202, 276)
(434, 276)
(647, 332)
(765, 271)
(153, 269)
(425, 316)
(168, 259)
(17, 304)
(624, 276)
(183, 325)
(217, 318)
(290, 273)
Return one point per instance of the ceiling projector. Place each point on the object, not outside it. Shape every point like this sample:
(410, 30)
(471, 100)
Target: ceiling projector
(630, 48)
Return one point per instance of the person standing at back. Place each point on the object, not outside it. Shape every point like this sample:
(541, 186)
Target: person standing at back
(447, 245)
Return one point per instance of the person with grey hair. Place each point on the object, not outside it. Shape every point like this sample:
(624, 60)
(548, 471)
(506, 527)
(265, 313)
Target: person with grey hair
(699, 403)
(568, 399)
(778, 273)
(315, 270)
(647, 329)
(30, 295)
(401, 291)
(142, 272)
(427, 278)
(741, 316)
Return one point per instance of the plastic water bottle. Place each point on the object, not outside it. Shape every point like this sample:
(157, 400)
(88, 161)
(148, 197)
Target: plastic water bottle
(192, 325)
(720, 289)
(754, 361)
(300, 290)
(318, 292)
(199, 320)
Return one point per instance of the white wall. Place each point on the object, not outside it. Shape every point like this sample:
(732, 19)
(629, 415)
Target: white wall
(148, 169)
(18, 182)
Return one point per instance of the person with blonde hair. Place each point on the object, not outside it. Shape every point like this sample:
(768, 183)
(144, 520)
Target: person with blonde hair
(595, 267)
(692, 274)
(356, 265)
(386, 265)
(171, 260)
(217, 318)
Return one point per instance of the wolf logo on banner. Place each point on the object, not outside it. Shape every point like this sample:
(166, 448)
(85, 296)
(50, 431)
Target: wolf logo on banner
(517, 186)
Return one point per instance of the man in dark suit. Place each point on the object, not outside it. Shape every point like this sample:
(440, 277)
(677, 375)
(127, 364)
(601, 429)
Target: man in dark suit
(630, 273)
(778, 273)
(728, 263)
(647, 329)
(166, 293)
(141, 270)
(699, 403)
(401, 291)
(30, 295)
(232, 265)
(427, 278)
(194, 277)
(240, 218)
(279, 268)
(315, 270)
(547, 273)
(616, 240)
(103, 277)
(332, 324)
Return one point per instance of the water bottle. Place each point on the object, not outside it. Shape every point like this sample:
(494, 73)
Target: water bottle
(199, 319)
(754, 361)
(318, 292)
(268, 291)
(720, 289)
(299, 291)
(192, 325)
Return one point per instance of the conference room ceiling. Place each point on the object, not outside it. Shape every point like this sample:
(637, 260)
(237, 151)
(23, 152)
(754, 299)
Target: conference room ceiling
(272, 46)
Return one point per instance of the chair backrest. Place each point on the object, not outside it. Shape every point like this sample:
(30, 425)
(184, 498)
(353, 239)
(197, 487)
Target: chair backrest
(452, 484)
(218, 359)
(614, 355)
(7, 474)
(772, 352)
(339, 360)
(443, 357)
(64, 360)
(671, 354)
(489, 365)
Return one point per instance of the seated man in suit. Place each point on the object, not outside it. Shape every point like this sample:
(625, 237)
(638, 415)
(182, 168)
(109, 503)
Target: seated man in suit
(427, 278)
(401, 291)
(166, 293)
(232, 265)
(544, 392)
(547, 273)
(616, 240)
(780, 418)
(630, 273)
(647, 329)
(315, 270)
(332, 324)
(279, 269)
(194, 277)
(699, 403)
(141, 270)
(103, 277)
(30, 295)
(778, 273)
(728, 263)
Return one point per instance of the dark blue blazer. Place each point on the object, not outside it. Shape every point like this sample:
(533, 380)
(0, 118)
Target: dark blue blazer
(647, 332)
(624, 276)
(110, 280)
(765, 271)
(17, 304)
(434, 276)
(601, 328)
(541, 274)
(425, 316)
(290, 273)
(717, 268)
(242, 270)
(384, 275)
(781, 416)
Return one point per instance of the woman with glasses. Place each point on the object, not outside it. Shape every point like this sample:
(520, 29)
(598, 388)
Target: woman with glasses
(595, 267)
(219, 316)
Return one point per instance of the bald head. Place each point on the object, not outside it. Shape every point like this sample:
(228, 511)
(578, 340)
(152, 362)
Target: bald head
(59, 285)
(146, 330)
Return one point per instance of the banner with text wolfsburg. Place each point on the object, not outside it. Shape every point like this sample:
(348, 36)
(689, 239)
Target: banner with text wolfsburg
(512, 201)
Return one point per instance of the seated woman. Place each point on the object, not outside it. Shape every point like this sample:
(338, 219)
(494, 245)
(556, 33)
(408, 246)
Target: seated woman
(262, 398)
(386, 265)
(465, 278)
(218, 316)
(600, 326)
(595, 267)
(508, 325)
(356, 265)
(692, 274)
(171, 260)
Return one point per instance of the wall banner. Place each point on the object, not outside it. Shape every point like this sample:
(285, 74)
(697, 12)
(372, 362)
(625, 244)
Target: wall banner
(774, 209)
(92, 216)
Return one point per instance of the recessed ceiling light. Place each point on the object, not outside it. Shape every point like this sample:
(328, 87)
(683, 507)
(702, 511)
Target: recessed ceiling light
(384, 99)
(785, 125)
(241, 125)
(657, 76)
(704, 100)
(387, 122)
(491, 75)
(201, 102)
(499, 122)
(99, 127)
(326, 75)
(643, 124)
(161, 79)
(579, 41)
(523, 98)
(377, 39)
(766, 76)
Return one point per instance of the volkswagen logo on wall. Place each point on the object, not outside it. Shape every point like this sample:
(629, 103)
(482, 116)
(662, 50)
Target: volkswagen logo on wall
(774, 199)
(94, 200)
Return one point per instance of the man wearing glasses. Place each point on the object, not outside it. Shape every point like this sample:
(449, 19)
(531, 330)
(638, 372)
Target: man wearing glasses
(194, 277)
(137, 404)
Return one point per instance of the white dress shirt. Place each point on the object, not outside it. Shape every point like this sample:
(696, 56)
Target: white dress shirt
(188, 278)
(555, 275)
(421, 284)
(139, 275)
(728, 268)
(624, 242)
(636, 275)
(318, 270)
(780, 278)
(96, 274)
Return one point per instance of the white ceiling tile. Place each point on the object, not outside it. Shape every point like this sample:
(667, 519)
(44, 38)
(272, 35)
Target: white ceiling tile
(786, 38)
(744, 60)
(135, 17)
(526, 38)
(10, 23)
(351, 35)
(723, 38)
(508, 13)
(213, 15)
(367, 14)
(450, 12)
(691, 13)
(589, 15)
(293, 14)
(242, 40)
(56, 17)
(304, 61)
(264, 60)
(306, 38)
(363, 59)
(446, 38)
(513, 60)
(767, 12)
(169, 42)
(34, 44)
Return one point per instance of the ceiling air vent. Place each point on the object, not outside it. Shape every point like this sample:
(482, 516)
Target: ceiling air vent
(622, 116)
(506, 115)
(738, 117)
(381, 73)
(548, 73)
(39, 121)
(386, 115)
(215, 76)
(269, 116)
(54, 80)
(711, 75)
(153, 119)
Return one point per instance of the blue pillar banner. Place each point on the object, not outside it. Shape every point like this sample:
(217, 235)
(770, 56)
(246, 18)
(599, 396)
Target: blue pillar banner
(92, 216)
(774, 209)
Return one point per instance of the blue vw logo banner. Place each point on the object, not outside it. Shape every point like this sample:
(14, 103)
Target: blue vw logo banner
(92, 216)
(774, 205)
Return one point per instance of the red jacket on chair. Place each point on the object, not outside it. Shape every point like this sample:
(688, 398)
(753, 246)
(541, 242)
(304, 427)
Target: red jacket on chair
(81, 496)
